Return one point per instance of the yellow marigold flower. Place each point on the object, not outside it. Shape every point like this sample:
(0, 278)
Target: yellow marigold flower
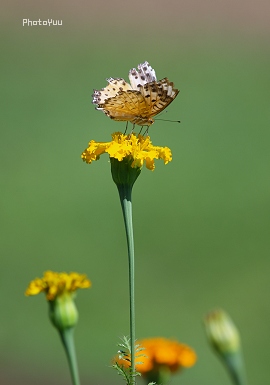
(57, 284)
(161, 355)
(136, 147)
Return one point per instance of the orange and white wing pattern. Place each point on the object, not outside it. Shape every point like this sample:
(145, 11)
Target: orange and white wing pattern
(114, 86)
(136, 103)
(128, 106)
(158, 95)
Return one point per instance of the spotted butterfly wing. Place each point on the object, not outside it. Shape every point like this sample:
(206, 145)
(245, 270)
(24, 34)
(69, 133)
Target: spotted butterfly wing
(114, 86)
(158, 95)
(127, 106)
(139, 102)
(145, 74)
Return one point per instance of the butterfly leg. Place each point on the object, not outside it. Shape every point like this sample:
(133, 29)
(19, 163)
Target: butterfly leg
(126, 129)
(146, 131)
(133, 127)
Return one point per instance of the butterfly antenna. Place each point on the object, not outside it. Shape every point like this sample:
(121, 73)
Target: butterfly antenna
(163, 112)
(172, 121)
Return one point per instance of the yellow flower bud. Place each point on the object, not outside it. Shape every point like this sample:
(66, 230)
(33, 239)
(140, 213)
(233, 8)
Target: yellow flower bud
(60, 291)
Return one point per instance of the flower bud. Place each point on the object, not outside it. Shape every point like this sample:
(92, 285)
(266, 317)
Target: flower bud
(221, 332)
(63, 312)
(224, 337)
(60, 290)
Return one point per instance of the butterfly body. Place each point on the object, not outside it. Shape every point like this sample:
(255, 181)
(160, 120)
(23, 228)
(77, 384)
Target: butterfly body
(139, 101)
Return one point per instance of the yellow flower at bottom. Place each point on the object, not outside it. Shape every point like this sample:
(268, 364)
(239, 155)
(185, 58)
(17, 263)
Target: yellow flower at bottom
(57, 284)
(161, 355)
(137, 147)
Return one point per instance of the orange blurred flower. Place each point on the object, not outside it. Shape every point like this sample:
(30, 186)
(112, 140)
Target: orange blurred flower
(160, 357)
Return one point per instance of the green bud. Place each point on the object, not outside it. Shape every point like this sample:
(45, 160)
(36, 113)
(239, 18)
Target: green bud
(63, 312)
(221, 332)
(225, 339)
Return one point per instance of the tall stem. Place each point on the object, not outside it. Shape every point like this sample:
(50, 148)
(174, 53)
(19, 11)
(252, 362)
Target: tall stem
(68, 342)
(125, 199)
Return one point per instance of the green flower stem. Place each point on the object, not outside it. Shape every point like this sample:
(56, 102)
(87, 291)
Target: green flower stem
(68, 342)
(125, 198)
(235, 366)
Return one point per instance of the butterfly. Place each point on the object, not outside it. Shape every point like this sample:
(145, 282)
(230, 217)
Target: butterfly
(139, 101)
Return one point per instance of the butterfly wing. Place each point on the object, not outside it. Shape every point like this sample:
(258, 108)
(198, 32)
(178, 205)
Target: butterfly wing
(139, 101)
(114, 86)
(144, 74)
(127, 105)
(158, 95)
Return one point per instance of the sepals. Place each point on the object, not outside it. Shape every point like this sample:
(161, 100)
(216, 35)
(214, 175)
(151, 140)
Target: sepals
(123, 173)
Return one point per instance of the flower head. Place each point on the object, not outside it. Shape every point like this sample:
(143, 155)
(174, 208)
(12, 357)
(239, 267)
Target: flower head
(60, 289)
(57, 284)
(161, 356)
(136, 148)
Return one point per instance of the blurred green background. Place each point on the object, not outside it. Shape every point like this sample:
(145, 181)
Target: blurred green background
(201, 223)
